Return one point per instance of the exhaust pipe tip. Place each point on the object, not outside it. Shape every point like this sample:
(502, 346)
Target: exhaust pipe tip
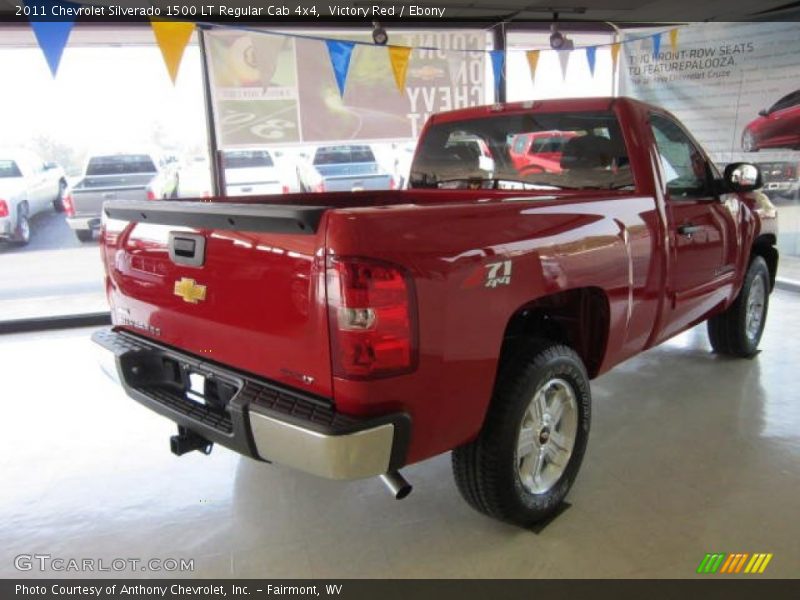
(396, 484)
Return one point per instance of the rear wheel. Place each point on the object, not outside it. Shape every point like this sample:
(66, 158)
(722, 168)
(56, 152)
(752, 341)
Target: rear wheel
(528, 453)
(737, 331)
(22, 233)
(84, 235)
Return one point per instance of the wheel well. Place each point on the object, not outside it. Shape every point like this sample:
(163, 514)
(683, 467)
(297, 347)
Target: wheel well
(578, 318)
(764, 246)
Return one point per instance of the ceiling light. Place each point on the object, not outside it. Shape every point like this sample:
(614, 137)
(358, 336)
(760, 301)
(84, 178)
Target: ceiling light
(558, 41)
(379, 35)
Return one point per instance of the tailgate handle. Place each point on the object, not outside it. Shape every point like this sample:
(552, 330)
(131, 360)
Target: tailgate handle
(187, 249)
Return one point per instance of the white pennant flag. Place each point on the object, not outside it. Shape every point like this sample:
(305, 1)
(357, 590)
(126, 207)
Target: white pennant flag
(563, 59)
(457, 64)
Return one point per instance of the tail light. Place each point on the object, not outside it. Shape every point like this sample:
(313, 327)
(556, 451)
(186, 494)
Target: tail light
(372, 315)
(69, 205)
(285, 189)
(151, 195)
(320, 187)
(3, 208)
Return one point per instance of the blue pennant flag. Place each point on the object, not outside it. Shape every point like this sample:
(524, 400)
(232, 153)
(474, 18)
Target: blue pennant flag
(656, 45)
(498, 66)
(340, 53)
(591, 56)
(51, 29)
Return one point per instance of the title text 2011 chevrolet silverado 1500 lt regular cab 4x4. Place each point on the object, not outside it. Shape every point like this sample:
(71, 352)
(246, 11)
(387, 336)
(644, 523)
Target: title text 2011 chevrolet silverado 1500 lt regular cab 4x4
(350, 334)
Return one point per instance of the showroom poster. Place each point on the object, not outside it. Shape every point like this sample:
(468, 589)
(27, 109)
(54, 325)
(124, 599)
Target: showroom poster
(718, 79)
(272, 89)
(254, 88)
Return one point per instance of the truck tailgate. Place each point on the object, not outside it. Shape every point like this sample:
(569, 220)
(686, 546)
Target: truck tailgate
(90, 193)
(236, 284)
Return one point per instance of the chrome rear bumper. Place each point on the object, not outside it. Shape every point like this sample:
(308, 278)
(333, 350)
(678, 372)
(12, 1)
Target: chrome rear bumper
(258, 419)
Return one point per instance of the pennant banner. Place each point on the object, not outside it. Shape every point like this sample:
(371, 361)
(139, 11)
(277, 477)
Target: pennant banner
(614, 55)
(172, 38)
(533, 60)
(563, 59)
(398, 56)
(456, 62)
(591, 57)
(52, 34)
(340, 53)
(498, 68)
(673, 40)
(656, 45)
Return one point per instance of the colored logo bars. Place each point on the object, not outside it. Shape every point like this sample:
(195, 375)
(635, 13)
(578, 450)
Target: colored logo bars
(723, 563)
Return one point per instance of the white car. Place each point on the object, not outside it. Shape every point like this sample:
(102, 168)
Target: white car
(28, 186)
(252, 173)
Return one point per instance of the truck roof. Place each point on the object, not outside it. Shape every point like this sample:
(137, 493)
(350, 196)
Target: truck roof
(600, 103)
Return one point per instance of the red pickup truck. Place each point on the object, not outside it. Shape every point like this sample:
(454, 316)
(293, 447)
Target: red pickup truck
(351, 334)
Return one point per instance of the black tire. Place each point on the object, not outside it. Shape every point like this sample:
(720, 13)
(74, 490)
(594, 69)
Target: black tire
(731, 332)
(84, 235)
(487, 470)
(58, 203)
(22, 232)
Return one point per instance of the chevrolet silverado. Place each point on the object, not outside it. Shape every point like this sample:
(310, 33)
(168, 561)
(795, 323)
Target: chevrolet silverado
(351, 334)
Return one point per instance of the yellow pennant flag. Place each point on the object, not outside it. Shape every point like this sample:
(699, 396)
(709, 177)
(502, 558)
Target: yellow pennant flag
(399, 55)
(615, 55)
(533, 60)
(172, 37)
(673, 39)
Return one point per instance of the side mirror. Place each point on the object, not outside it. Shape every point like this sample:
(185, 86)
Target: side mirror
(763, 112)
(742, 177)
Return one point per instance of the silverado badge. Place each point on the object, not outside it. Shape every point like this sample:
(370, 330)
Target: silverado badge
(190, 291)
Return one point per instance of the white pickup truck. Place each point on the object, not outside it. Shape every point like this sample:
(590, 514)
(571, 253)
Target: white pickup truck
(28, 186)
(252, 173)
(118, 176)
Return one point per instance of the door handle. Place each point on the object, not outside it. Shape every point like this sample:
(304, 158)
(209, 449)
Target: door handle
(187, 248)
(688, 229)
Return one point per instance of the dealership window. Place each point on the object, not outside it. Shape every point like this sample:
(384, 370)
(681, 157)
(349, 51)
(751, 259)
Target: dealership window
(549, 81)
(112, 100)
(112, 95)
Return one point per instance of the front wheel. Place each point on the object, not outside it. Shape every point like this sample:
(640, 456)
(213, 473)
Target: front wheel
(58, 203)
(738, 330)
(526, 457)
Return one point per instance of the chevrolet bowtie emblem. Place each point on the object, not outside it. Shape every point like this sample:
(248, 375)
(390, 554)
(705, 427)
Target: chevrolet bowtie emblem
(190, 291)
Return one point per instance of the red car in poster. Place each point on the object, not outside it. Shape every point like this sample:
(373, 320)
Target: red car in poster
(776, 127)
(539, 152)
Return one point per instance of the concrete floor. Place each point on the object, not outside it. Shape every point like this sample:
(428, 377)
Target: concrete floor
(690, 453)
